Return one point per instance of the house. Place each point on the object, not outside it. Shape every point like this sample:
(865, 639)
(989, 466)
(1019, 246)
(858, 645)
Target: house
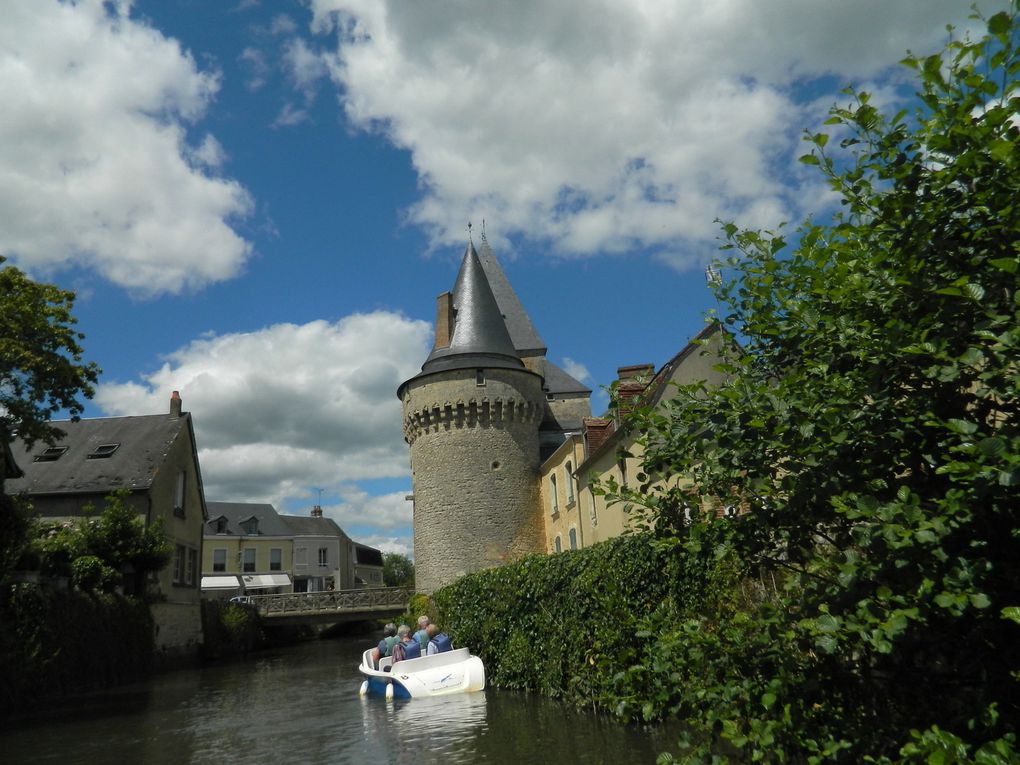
(251, 548)
(612, 452)
(247, 548)
(155, 459)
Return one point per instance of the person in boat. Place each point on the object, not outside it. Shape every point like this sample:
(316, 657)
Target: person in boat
(408, 647)
(385, 647)
(422, 634)
(439, 642)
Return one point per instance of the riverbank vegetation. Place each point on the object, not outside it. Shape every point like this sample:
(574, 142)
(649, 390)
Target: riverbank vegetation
(73, 602)
(864, 605)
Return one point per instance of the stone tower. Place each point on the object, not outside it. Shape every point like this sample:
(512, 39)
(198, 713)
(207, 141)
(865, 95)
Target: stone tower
(472, 419)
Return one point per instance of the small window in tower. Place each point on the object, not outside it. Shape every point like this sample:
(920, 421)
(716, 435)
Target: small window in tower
(103, 451)
(479, 377)
(52, 454)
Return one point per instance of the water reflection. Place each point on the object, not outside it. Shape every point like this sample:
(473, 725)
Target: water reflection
(302, 705)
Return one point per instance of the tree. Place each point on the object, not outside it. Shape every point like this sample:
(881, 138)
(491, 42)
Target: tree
(871, 434)
(41, 367)
(398, 570)
(100, 552)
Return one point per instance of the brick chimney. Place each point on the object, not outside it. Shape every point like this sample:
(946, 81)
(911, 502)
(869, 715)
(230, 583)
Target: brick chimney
(631, 383)
(596, 431)
(175, 404)
(444, 319)
(317, 511)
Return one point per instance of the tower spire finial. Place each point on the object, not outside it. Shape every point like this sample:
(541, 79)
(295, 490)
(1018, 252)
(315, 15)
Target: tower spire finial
(484, 240)
(469, 234)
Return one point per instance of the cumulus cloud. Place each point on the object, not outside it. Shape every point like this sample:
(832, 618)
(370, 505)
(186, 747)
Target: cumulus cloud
(604, 126)
(577, 370)
(96, 167)
(357, 508)
(291, 407)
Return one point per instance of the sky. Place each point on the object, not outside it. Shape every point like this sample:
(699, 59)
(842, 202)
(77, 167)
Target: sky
(258, 202)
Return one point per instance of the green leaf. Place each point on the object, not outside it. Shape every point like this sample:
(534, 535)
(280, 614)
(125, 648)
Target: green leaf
(1009, 265)
(980, 600)
(809, 159)
(964, 427)
(999, 23)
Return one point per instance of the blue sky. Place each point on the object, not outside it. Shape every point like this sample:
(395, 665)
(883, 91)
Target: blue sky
(258, 202)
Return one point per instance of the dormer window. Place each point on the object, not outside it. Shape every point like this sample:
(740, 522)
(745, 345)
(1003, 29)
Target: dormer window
(250, 526)
(103, 451)
(221, 525)
(52, 454)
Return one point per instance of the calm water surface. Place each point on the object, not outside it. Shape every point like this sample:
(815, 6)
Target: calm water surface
(301, 705)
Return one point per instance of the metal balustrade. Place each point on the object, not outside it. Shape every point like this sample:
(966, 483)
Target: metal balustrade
(323, 606)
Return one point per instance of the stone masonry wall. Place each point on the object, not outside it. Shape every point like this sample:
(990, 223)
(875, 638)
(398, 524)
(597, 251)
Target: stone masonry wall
(474, 462)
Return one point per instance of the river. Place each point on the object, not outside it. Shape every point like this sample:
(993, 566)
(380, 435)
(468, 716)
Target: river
(301, 705)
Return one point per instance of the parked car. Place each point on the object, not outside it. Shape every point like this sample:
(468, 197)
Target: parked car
(244, 599)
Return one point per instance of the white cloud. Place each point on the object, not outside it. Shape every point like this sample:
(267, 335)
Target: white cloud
(291, 407)
(401, 545)
(603, 126)
(96, 166)
(577, 370)
(388, 512)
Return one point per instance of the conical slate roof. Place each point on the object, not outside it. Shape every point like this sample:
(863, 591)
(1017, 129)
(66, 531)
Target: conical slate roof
(479, 337)
(525, 337)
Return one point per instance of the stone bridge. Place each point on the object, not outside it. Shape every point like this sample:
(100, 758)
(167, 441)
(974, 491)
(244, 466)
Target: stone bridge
(332, 607)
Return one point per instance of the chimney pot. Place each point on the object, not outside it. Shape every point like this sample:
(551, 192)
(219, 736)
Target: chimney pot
(317, 511)
(175, 404)
(444, 320)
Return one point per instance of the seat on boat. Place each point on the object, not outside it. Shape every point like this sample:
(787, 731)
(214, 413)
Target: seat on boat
(384, 662)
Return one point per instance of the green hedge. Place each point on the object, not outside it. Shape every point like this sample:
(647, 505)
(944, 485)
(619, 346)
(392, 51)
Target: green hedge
(568, 625)
(57, 642)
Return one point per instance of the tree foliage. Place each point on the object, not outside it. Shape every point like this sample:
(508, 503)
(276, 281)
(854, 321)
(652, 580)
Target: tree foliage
(41, 367)
(398, 570)
(99, 553)
(871, 433)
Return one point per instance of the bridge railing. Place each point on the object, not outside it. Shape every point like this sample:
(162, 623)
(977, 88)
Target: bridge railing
(331, 600)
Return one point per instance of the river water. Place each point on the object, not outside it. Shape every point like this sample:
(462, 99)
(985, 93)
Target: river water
(301, 705)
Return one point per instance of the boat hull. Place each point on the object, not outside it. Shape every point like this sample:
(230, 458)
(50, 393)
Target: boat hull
(438, 675)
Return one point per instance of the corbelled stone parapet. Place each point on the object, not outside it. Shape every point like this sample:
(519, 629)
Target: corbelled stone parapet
(473, 412)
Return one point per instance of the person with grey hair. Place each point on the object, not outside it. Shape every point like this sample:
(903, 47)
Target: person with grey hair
(407, 647)
(385, 647)
(422, 635)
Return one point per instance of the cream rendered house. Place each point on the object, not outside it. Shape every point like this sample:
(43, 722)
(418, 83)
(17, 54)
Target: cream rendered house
(604, 451)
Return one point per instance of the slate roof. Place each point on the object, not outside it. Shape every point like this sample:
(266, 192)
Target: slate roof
(310, 526)
(522, 332)
(559, 382)
(144, 442)
(271, 523)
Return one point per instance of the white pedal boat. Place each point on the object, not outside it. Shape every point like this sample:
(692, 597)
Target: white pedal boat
(454, 671)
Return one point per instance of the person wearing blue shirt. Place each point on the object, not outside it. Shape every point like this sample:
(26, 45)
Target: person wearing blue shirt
(421, 635)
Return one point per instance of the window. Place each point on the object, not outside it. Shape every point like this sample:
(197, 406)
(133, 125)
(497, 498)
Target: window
(179, 562)
(554, 499)
(219, 559)
(479, 377)
(573, 539)
(189, 573)
(102, 451)
(221, 525)
(249, 559)
(250, 526)
(300, 557)
(275, 559)
(559, 545)
(179, 493)
(323, 556)
(52, 454)
(570, 483)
